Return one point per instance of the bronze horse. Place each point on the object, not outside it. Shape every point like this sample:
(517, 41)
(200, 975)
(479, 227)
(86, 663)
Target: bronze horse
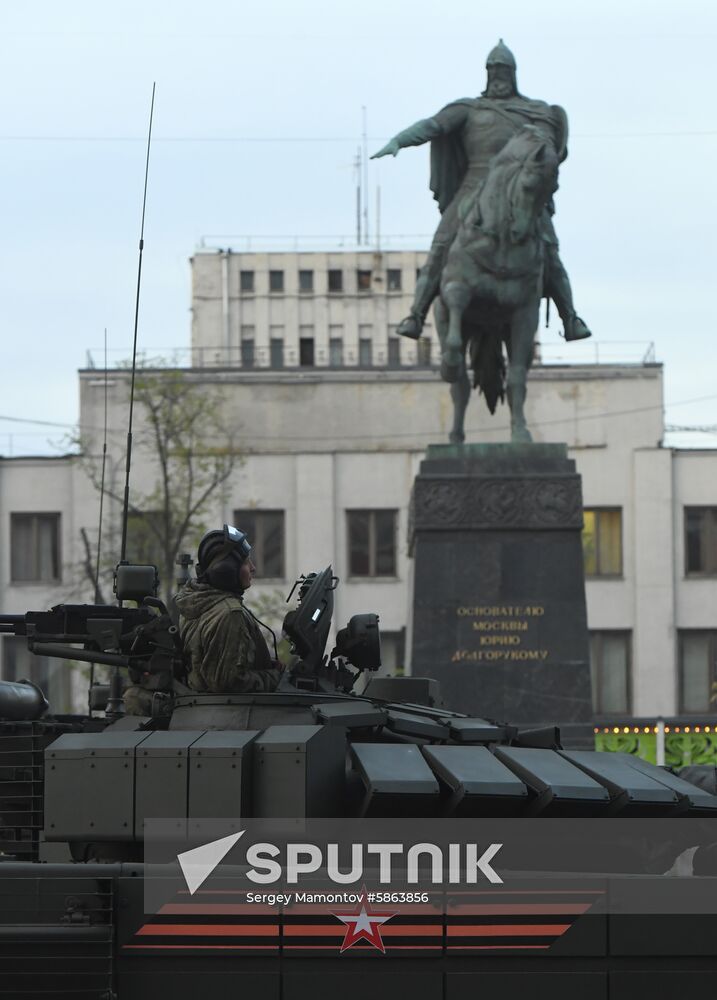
(492, 281)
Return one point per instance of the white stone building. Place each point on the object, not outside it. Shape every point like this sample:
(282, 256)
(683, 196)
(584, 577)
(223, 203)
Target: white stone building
(304, 309)
(333, 439)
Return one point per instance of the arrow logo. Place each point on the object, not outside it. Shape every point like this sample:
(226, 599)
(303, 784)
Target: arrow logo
(199, 863)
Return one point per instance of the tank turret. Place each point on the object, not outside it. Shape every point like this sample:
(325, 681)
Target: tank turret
(333, 740)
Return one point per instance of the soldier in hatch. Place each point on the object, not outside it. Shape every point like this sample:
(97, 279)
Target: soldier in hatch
(223, 645)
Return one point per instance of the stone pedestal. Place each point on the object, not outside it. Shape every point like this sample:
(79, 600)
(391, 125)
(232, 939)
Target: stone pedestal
(499, 613)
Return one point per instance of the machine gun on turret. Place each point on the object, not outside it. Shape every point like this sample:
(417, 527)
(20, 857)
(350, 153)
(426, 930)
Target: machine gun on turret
(142, 639)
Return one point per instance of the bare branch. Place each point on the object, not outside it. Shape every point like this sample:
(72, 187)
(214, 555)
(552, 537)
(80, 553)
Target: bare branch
(181, 438)
(89, 567)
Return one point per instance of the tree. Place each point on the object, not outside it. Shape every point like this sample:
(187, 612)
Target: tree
(183, 456)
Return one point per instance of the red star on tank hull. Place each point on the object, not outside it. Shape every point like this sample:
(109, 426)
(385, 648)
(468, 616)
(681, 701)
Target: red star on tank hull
(363, 924)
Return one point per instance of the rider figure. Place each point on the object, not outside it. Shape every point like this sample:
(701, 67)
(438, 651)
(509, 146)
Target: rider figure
(465, 136)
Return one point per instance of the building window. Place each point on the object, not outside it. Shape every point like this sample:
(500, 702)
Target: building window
(276, 352)
(602, 541)
(393, 653)
(698, 670)
(393, 279)
(246, 282)
(246, 346)
(336, 281)
(306, 282)
(306, 352)
(336, 352)
(247, 353)
(394, 352)
(35, 548)
(701, 540)
(372, 542)
(365, 345)
(423, 352)
(394, 347)
(265, 529)
(276, 281)
(610, 672)
(363, 281)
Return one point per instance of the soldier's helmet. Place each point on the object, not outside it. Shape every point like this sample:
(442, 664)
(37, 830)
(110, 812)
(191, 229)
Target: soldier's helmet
(218, 545)
(501, 56)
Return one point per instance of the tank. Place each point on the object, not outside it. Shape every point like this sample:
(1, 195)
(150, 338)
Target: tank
(334, 742)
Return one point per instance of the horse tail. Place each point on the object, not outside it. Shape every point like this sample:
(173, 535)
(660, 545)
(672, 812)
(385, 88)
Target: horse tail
(488, 365)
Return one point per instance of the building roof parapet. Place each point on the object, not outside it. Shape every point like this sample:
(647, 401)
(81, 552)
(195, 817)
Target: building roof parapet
(299, 246)
(406, 373)
(600, 356)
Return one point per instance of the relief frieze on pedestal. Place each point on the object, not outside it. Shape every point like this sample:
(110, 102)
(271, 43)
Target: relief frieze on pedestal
(497, 502)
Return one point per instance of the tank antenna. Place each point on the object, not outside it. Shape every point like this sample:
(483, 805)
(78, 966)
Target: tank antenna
(364, 142)
(99, 529)
(125, 506)
(102, 487)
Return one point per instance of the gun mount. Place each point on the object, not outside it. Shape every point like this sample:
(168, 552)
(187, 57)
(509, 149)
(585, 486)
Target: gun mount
(308, 627)
(144, 640)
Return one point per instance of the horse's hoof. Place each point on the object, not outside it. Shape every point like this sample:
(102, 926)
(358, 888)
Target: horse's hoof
(411, 327)
(456, 438)
(521, 435)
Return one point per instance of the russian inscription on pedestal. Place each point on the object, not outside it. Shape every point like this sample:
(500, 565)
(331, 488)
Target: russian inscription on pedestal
(499, 612)
(498, 633)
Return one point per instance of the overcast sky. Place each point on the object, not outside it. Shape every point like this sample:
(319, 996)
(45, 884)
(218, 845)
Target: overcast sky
(257, 121)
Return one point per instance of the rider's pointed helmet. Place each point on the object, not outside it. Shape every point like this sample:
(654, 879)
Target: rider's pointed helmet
(501, 56)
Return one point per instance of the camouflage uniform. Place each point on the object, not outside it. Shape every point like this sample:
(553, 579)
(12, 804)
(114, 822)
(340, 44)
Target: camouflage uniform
(140, 700)
(223, 646)
(137, 700)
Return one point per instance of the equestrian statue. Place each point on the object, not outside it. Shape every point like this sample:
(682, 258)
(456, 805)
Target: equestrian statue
(494, 169)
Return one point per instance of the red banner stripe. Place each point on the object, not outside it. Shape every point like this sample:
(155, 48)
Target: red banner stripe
(317, 909)
(359, 946)
(204, 947)
(506, 930)
(211, 930)
(395, 930)
(214, 892)
(502, 947)
(495, 909)
(525, 892)
(239, 908)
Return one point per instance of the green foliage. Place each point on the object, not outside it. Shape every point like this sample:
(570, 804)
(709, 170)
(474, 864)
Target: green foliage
(681, 749)
(640, 744)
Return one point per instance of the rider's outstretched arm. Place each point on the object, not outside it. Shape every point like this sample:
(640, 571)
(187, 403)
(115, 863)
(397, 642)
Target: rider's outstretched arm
(448, 119)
